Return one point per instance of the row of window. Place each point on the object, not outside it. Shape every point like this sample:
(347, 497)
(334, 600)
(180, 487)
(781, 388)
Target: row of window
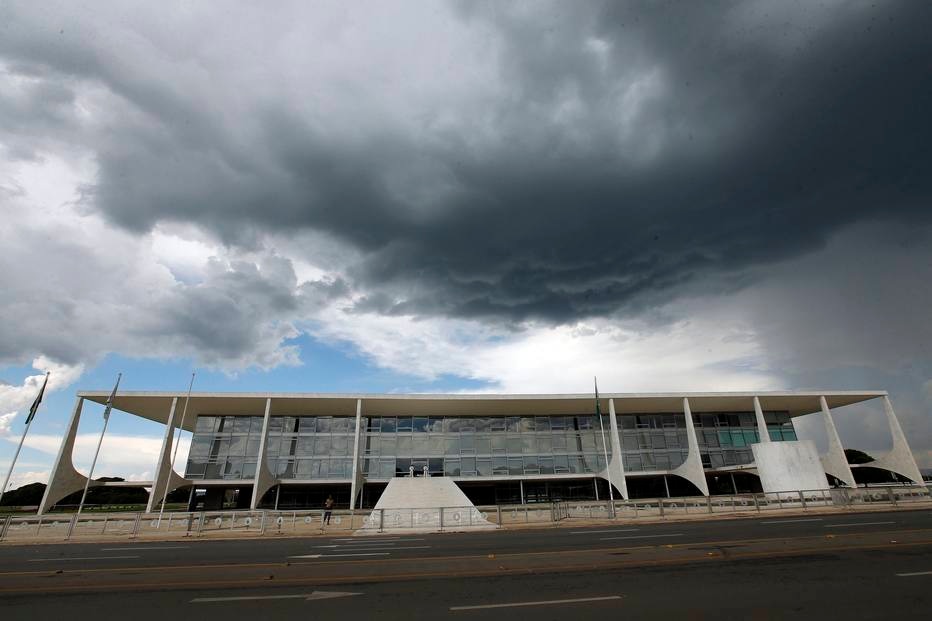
(321, 447)
(304, 425)
(385, 468)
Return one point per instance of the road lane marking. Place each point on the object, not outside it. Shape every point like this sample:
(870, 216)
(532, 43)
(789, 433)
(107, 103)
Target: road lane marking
(792, 521)
(548, 602)
(856, 524)
(364, 539)
(641, 536)
(78, 558)
(915, 573)
(335, 555)
(385, 548)
(593, 532)
(140, 549)
(245, 598)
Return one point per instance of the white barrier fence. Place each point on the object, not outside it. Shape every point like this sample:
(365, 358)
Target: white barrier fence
(256, 523)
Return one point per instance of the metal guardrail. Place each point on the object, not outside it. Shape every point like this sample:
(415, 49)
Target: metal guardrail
(57, 526)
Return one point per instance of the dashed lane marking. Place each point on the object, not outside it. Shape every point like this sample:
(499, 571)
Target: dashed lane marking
(547, 602)
(78, 558)
(642, 536)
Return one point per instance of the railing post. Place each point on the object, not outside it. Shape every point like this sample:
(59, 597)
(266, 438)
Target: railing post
(135, 531)
(892, 495)
(381, 519)
(708, 503)
(74, 520)
(660, 504)
(802, 498)
(498, 510)
(756, 504)
(200, 524)
(262, 523)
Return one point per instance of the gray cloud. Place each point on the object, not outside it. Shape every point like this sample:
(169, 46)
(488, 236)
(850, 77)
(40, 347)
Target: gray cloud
(605, 157)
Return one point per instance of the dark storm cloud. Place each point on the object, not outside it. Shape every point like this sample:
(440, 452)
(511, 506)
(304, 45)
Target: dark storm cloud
(626, 153)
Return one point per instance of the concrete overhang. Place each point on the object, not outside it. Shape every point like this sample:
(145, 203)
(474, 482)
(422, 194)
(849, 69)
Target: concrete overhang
(155, 406)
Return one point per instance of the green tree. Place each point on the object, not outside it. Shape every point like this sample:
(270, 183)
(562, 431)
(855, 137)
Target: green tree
(854, 456)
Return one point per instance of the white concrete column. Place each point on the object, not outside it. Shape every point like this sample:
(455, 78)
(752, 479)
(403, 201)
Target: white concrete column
(64, 479)
(834, 461)
(761, 422)
(264, 480)
(356, 486)
(691, 469)
(164, 475)
(617, 464)
(900, 459)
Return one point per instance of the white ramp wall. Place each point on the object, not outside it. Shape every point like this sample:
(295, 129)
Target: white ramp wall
(789, 466)
(424, 504)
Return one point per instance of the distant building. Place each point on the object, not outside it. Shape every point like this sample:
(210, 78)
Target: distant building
(292, 450)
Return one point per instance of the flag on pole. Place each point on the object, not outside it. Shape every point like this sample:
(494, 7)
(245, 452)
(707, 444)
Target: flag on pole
(35, 404)
(111, 397)
(598, 409)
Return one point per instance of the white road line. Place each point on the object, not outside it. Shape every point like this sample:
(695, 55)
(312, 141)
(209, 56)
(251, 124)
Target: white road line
(549, 602)
(139, 549)
(77, 558)
(392, 549)
(335, 555)
(365, 540)
(641, 536)
(792, 521)
(245, 598)
(204, 600)
(375, 547)
(614, 530)
(915, 573)
(856, 524)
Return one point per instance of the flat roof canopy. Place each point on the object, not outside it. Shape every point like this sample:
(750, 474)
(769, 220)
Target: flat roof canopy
(155, 406)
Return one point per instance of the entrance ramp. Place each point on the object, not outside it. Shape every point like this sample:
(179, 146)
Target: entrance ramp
(424, 504)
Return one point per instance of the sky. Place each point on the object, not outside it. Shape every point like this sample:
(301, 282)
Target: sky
(507, 197)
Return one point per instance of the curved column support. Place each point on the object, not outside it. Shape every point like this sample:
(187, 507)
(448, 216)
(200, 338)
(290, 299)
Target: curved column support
(64, 480)
(165, 475)
(615, 466)
(762, 432)
(691, 469)
(358, 478)
(264, 480)
(900, 460)
(834, 461)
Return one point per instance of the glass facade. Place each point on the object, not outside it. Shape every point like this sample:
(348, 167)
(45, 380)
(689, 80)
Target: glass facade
(725, 439)
(321, 447)
(477, 446)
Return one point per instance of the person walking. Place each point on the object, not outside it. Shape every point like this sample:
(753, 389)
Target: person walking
(328, 509)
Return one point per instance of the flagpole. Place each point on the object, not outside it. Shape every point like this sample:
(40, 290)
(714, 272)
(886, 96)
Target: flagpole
(177, 441)
(100, 441)
(32, 415)
(608, 471)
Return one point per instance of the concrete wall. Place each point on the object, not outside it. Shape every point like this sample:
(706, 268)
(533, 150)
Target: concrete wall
(789, 466)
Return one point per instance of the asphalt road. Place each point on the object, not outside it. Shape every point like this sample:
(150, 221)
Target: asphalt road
(874, 565)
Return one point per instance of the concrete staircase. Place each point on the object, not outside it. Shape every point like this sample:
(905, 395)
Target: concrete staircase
(424, 504)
